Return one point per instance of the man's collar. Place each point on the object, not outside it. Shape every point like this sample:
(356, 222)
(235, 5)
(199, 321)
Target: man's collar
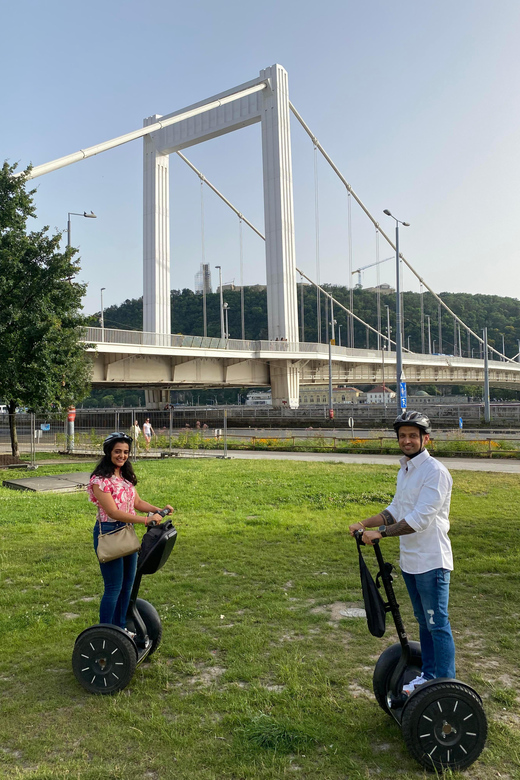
(420, 458)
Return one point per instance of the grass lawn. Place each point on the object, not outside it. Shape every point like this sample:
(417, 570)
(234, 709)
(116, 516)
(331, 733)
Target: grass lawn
(259, 675)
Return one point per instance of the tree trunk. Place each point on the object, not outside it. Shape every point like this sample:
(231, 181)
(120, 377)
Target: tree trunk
(12, 429)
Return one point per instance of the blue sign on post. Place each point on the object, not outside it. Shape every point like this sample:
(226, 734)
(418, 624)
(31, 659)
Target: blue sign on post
(460, 423)
(402, 392)
(45, 426)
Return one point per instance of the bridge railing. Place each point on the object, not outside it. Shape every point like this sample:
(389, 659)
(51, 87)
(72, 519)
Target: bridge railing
(140, 338)
(114, 336)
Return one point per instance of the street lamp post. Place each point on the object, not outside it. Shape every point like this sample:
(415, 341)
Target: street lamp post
(102, 316)
(401, 396)
(77, 214)
(222, 329)
(429, 335)
(72, 411)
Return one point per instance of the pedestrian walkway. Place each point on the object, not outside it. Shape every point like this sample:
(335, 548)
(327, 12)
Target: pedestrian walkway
(57, 483)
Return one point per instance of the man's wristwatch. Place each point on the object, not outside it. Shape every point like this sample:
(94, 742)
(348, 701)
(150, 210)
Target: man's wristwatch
(382, 530)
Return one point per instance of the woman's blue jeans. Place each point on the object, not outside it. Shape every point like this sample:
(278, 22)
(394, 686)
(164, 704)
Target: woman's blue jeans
(118, 576)
(429, 593)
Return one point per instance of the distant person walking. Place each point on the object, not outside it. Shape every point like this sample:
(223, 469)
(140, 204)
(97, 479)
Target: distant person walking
(136, 432)
(148, 432)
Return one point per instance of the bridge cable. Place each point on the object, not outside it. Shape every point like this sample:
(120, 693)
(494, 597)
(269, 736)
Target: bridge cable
(220, 195)
(378, 294)
(317, 240)
(241, 246)
(387, 238)
(203, 255)
(350, 260)
(261, 235)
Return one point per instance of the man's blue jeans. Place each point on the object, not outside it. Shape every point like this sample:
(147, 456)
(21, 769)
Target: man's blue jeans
(118, 576)
(429, 593)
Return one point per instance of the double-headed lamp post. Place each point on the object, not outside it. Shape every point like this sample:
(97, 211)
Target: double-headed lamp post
(401, 400)
(77, 214)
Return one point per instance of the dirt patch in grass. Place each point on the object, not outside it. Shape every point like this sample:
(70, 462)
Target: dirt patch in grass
(339, 610)
(206, 675)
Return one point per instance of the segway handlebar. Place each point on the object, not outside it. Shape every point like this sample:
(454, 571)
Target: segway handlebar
(162, 513)
(358, 536)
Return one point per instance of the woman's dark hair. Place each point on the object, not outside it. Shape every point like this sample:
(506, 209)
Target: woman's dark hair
(105, 467)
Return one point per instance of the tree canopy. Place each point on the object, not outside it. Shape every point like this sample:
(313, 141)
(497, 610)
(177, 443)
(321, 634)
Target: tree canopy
(43, 365)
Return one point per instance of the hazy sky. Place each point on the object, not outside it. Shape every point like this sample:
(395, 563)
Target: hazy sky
(417, 103)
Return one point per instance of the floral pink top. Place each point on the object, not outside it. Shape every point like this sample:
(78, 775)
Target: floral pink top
(121, 490)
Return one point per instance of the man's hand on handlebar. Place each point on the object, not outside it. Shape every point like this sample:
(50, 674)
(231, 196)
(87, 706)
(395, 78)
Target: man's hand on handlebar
(370, 536)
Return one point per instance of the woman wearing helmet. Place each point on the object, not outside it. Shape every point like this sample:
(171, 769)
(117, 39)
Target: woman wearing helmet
(112, 489)
(419, 515)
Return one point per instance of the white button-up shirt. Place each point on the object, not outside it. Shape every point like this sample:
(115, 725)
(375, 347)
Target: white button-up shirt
(423, 498)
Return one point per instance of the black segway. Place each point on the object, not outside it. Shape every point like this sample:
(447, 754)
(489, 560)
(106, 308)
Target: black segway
(105, 656)
(443, 721)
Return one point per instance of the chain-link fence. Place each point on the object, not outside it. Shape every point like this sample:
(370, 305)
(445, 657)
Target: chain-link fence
(197, 428)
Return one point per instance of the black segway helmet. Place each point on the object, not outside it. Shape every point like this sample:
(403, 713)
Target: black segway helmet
(418, 419)
(112, 438)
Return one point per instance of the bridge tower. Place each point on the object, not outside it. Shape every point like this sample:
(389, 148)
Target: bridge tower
(270, 106)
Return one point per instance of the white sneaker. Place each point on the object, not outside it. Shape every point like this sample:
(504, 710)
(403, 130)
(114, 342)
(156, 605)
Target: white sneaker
(412, 685)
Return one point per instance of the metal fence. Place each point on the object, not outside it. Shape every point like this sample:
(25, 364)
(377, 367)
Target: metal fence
(43, 434)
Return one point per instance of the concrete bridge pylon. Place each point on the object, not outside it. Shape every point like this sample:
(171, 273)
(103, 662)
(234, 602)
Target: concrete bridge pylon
(270, 106)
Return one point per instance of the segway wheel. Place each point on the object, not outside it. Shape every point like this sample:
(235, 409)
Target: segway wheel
(103, 660)
(152, 622)
(385, 667)
(444, 726)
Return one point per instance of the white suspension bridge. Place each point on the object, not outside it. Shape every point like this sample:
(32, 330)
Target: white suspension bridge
(157, 360)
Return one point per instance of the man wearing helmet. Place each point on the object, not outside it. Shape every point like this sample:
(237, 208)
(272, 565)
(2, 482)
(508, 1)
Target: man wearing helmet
(419, 515)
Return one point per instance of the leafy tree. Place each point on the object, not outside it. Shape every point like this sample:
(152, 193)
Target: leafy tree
(43, 365)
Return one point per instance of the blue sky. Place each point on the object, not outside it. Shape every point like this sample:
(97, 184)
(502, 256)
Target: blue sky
(417, 103)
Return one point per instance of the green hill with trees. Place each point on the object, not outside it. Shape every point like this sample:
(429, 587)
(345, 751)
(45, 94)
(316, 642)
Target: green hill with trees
(501, 315)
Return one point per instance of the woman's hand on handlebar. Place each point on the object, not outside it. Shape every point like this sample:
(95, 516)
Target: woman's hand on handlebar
(158, 517)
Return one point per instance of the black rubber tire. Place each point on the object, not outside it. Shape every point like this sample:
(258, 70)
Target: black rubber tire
(152, 622)
(103, 660)
(385, 666)
(444, 726)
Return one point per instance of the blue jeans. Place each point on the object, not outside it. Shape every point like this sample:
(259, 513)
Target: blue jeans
(429, 593)
(118, 577)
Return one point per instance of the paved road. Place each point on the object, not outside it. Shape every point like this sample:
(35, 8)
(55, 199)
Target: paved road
(453, 464)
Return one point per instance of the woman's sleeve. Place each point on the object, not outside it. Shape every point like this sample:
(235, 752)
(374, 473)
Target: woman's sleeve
(102, 482)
